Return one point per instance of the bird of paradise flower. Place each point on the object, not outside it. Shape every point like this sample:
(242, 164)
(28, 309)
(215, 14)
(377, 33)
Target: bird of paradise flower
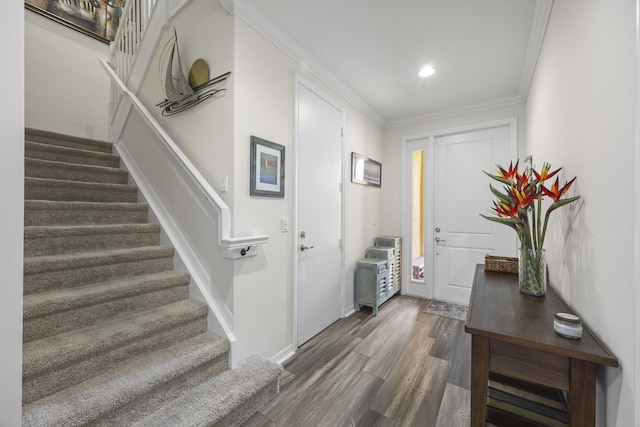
(519, 206)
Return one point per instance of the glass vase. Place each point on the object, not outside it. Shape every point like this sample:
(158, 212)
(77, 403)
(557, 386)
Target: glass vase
(532, 272)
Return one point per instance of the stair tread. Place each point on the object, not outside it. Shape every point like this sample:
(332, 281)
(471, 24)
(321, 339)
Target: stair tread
(39, 231)
(75, 166)
(63, 349)
(47, 263)
(62, 183)
(48, 302)
(70, 150)
(31, 134)
(216, 398)
(99, 395)
(75, 205)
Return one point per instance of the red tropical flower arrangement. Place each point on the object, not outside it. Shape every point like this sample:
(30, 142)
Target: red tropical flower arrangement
(520, 205)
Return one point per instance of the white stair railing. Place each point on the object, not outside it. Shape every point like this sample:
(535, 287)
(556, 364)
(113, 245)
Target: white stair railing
(125, 46)
(129, 58)
(230, 244)
(124, 53)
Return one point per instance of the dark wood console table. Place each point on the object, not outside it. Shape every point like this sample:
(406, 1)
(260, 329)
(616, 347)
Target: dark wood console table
(513, 335)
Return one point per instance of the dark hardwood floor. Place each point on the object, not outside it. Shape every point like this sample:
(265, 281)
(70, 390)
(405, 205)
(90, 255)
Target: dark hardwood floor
(404, 367)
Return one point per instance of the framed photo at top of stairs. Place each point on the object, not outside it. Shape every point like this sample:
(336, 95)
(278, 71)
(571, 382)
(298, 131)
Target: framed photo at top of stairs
(96, 18)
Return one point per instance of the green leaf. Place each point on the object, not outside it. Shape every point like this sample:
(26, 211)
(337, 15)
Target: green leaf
(499, 178)
(501, 196)
(559, 203)
(505, 221)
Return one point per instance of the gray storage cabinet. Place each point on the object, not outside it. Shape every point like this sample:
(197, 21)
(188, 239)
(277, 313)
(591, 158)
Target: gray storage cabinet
(372, 284)
(396, 243)
(387, 254)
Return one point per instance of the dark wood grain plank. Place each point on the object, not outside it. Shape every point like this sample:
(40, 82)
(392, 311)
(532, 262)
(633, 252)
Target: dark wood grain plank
(456, 407)
(259, 420)
(423, 403)
(394, 347)
(378, 338)
(371, 371)
(460, 374)
(371, 418)
(323, 344)
(401, 379)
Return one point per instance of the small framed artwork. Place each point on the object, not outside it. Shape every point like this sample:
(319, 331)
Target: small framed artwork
(267, 168)
(365, 171)
(96, 18)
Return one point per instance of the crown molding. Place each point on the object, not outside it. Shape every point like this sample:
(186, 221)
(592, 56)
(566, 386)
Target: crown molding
(455, 112)
(541, 15)
(257, 20)
(227, 5)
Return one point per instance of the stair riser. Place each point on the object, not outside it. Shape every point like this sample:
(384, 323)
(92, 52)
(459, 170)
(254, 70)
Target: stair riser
(62, 171)
(68, 320)
(243, 412)
(87, 243)
(83, 217)
(70, 194)
(59, 377)
(159, 396)
(69, 278)
(52, 138)
(78, 157)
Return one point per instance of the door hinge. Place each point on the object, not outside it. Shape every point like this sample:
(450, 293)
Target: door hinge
(341, 132)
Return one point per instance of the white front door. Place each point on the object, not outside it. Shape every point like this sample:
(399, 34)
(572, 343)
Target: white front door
(461, 192)
(319, 201)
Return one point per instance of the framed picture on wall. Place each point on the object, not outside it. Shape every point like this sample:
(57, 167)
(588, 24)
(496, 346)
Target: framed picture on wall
(96, 18)
(365, 171)
(267, 168)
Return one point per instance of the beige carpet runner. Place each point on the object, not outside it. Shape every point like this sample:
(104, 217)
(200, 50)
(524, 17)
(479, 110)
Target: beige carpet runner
(111, 336)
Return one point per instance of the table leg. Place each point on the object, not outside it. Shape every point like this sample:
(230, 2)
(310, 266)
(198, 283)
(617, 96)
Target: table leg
(581, 398)
(479, 380)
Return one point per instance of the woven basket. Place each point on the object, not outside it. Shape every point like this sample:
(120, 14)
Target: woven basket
(502, 264)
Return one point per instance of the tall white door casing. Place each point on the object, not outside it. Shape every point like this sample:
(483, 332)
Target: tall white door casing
(319, 213)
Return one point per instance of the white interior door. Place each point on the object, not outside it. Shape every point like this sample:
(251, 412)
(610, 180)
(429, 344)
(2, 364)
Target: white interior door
(319, 126)
(461, 192)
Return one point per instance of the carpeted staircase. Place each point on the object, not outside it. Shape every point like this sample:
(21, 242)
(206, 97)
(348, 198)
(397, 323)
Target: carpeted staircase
(111, 336)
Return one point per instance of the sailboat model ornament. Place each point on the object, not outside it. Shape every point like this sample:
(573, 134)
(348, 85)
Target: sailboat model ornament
(182, 93)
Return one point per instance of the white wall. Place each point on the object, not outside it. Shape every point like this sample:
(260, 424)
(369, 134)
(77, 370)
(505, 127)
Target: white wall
(392, 168)
(264, 107)
(11, 215)
(581, 114)
(62, 70)
(205, 132)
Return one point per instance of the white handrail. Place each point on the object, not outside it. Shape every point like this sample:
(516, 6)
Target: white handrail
(225, 240)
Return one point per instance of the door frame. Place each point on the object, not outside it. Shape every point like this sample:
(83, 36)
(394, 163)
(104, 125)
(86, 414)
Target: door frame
(429, 149)
(294, 229)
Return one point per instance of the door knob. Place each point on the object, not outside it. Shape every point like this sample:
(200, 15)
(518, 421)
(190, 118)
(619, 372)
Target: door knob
(439, 240)
(305, 247)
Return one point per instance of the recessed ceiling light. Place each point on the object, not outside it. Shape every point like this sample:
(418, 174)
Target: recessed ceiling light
(426, 71)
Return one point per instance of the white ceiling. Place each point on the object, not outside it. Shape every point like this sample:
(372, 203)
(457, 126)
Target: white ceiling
(484, 51)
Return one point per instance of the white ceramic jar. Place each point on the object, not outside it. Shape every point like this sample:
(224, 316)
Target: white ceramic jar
(568, 325)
